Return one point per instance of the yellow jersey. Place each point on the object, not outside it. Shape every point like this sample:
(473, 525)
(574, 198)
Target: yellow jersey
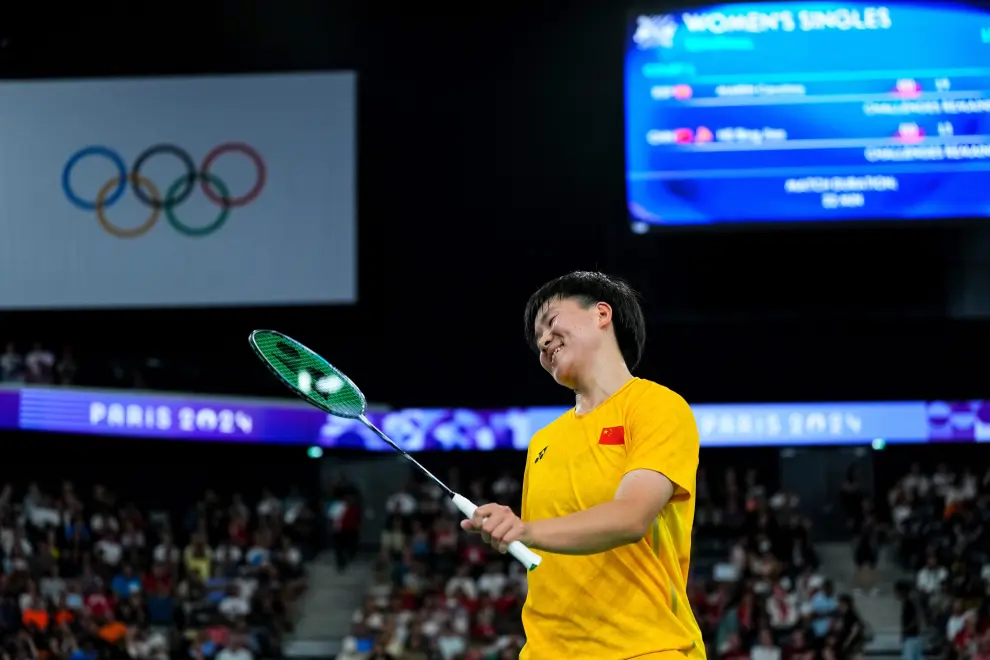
(630, 602)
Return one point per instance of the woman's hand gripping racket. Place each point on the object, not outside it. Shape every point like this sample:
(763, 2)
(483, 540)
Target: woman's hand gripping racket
(316, 380)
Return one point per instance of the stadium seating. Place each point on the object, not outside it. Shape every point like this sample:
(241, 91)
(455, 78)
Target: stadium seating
(941, 520)
(37, 366)
(754, 587)
(87, 575)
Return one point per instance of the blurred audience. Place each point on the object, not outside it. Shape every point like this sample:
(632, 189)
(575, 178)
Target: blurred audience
(755, 589)
(38, 366)
(941, 522)
(90, 575)
(439, 594)
(345, 513)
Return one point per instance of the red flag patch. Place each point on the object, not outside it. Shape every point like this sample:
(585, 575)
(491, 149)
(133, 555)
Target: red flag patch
(613, 435)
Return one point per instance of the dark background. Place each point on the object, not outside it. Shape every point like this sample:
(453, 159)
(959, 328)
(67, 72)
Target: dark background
(490, 160)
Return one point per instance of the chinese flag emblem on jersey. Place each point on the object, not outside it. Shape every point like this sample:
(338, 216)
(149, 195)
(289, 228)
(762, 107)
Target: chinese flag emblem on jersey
(613, 435)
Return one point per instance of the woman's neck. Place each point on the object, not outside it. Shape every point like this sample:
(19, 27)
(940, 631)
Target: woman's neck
(607, 378)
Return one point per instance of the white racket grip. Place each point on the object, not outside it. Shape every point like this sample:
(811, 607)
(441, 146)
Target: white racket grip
(524, 555)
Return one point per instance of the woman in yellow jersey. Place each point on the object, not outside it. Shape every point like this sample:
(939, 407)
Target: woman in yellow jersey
(608, 492)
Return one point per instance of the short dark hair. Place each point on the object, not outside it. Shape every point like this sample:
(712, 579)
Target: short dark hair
(590, 288)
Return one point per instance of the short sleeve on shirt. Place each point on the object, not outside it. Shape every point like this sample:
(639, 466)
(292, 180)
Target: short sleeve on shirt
(663, 437)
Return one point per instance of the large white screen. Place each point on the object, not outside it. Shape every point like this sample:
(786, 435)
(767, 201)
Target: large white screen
(282, 145)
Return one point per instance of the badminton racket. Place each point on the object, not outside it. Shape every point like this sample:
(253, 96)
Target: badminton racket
(326, 387)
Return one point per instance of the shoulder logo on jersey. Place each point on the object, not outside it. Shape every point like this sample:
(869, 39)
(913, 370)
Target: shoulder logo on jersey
(613, 435)
(540, 455)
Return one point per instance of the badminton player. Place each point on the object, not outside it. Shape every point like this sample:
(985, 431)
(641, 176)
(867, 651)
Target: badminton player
(608, 492)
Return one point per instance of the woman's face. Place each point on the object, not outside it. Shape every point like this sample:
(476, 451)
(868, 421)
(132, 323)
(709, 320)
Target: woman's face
(568, 335)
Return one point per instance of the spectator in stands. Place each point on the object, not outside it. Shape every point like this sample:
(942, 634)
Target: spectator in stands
(782, 609)
(765, 648)
(345, 514)
(347, 532)
(798, 647)
(39, 365)
(911, 645)
(931, 577)
(957, 620)
(798, 547)
(867, 550)
(822, 607)
(901, 508)
(942, 479)
(849, 629)
(830, 649)
(11, 365)
(916, 484)
(402, 504)
(66, 368)
(358, 644)
(236, 649)
(733, 649)
(966, 641)
(851, 498)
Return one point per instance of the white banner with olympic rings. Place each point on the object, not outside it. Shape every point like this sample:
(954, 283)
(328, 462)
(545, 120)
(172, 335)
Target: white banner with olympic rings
(232, 190)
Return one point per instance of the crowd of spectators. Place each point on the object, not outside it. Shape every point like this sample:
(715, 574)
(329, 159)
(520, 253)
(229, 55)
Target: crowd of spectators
(38, 365)
(941, 521)
(755, 586)
(35, 363)
(88, 576)
(440, 594)
(763, 597)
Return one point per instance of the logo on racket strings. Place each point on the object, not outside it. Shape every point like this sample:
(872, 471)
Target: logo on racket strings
(310, 380)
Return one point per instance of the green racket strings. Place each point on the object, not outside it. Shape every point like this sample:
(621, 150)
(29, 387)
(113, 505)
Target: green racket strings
(309, 375)
(316, 380)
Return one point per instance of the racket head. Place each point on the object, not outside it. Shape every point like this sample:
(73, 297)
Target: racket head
(308, 375)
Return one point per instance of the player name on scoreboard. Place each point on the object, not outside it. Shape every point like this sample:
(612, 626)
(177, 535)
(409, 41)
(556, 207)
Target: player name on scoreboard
(760, 90)
(729, 135)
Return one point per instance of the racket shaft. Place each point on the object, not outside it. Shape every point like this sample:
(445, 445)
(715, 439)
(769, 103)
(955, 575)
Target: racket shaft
(405, 454)
(522, 554)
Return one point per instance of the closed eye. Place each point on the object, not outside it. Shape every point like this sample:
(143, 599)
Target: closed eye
(539, 333)
(549, 327)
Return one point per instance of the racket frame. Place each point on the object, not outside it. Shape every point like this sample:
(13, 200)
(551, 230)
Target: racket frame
(519, 551)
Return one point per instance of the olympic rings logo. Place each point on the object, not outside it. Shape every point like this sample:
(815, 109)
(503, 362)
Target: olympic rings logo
(148, 194)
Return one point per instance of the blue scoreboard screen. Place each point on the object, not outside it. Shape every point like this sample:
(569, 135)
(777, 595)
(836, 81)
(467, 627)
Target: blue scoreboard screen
(797, 112)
